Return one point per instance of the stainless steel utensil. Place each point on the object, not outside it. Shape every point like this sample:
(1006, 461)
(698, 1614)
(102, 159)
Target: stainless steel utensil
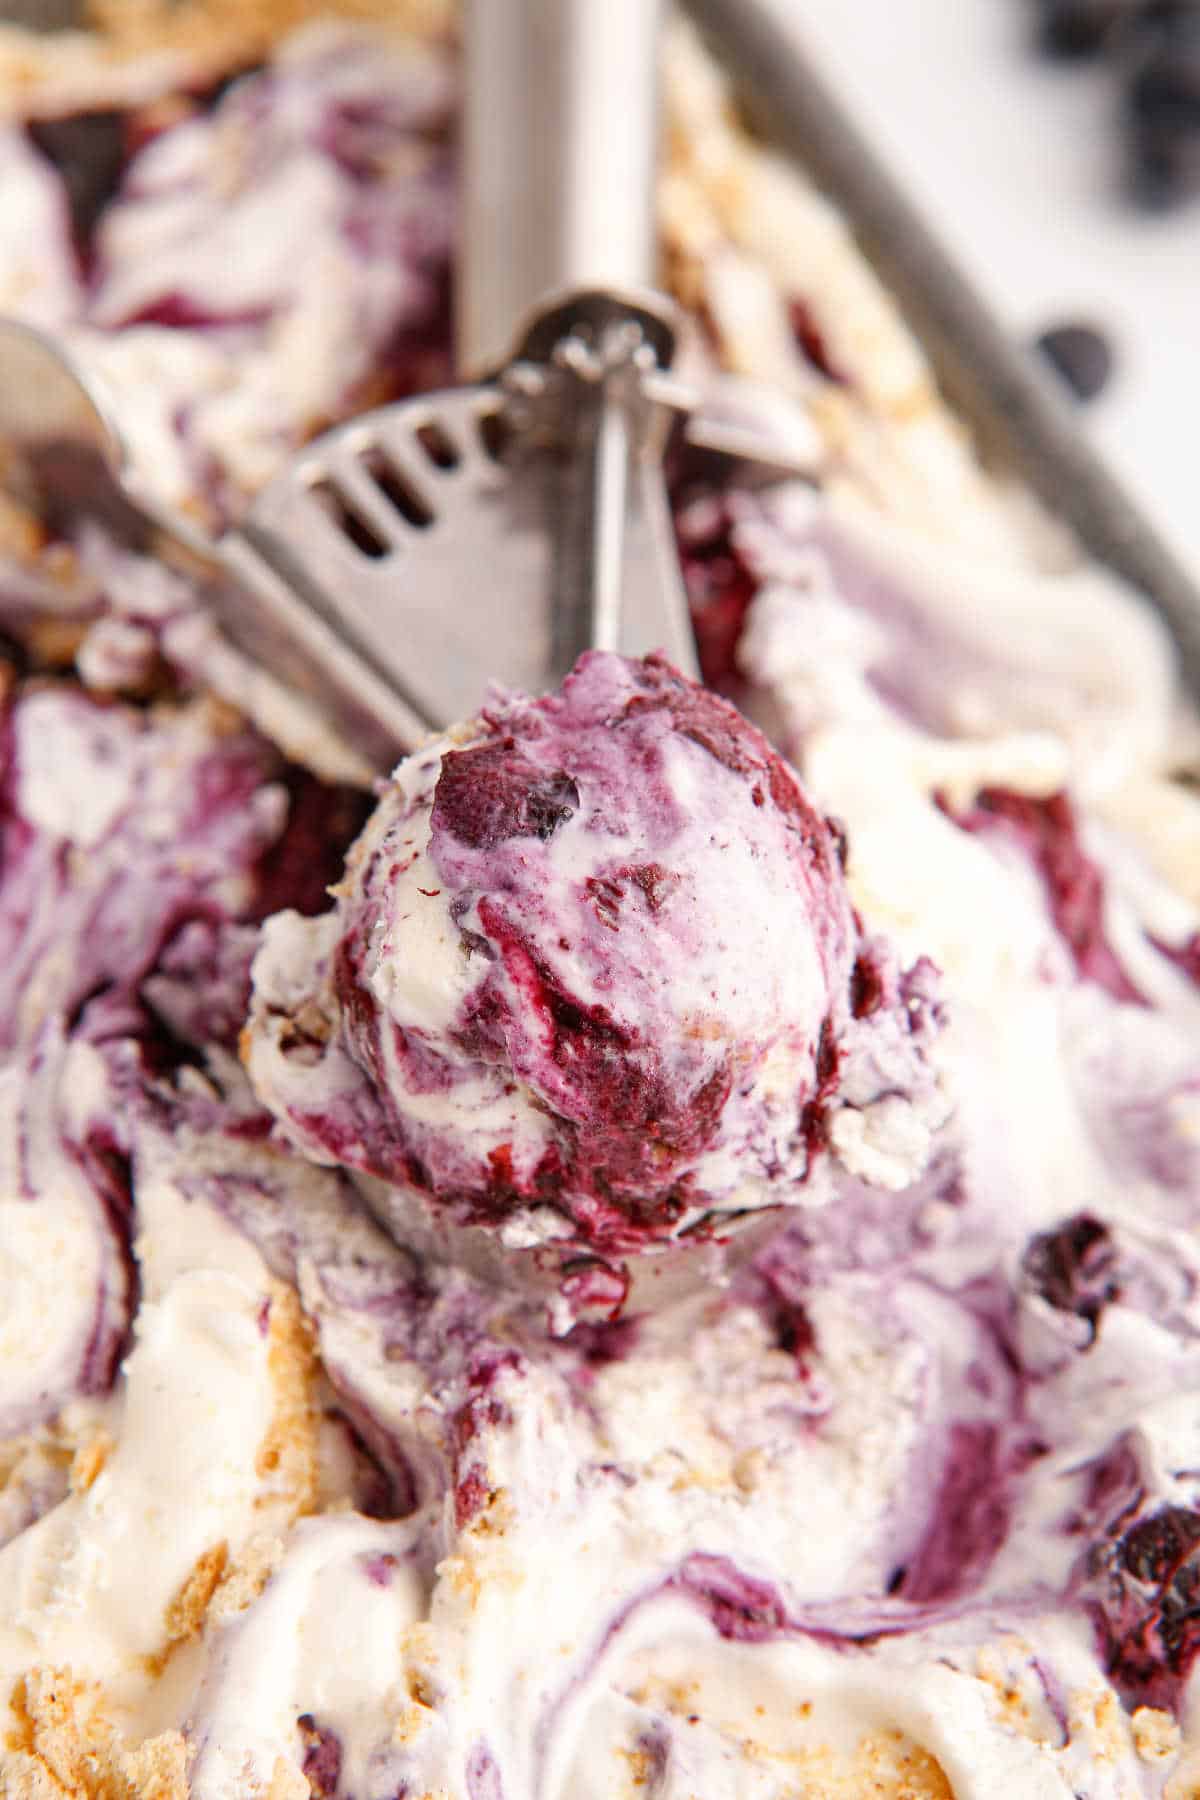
(65, 454)
(587, 65)
(400, 562)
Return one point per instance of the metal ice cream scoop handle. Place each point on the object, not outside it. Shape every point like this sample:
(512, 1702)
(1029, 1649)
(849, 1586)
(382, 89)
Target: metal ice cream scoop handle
(560, 154)
(399, 562)
(560, 149)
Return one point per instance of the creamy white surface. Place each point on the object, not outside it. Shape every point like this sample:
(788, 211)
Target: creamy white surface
(530, 1649)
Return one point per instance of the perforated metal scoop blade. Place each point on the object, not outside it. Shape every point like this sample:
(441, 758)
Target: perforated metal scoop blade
(449, 550)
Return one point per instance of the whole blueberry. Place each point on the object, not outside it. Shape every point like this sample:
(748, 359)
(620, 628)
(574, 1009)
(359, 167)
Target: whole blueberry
(1078, 28)
(88, 150)
(1080, 354)
(1162, 107)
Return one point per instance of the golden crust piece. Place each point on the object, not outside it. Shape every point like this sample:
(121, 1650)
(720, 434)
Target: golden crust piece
(63, 1456)
(62, 1742)
(287, 1783)
(288, 1457)
(134, 26)
(885, 1766)
(89, 1461)
(189, 1609)
(17, 1452)
(21, 535)
(1156, 1735)
(287, 1462)
(135, 51)
(65, 1746)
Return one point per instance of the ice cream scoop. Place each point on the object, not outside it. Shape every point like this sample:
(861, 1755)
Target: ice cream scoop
(593, 987)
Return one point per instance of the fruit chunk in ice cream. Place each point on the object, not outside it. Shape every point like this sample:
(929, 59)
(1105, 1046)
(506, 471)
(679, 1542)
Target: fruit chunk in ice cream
(593, 974)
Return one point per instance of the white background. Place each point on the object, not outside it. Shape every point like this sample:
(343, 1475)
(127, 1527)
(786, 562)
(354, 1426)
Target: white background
(1015, 160)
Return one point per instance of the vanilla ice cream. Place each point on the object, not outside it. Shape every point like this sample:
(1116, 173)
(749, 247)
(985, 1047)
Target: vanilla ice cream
(593, 973)
(901, 1500)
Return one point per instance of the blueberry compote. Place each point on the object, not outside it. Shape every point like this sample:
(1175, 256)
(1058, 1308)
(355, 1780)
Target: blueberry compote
(593, 964)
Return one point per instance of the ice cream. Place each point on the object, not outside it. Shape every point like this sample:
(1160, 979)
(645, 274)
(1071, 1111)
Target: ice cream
(593, 974)
(261, 266)
(905, 1504)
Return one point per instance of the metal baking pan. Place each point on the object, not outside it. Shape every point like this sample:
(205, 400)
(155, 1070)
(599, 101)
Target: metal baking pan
(1020, 418)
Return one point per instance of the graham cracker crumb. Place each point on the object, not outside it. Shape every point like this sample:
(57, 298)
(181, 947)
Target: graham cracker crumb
(221, 1584)
(218, 717)
(17, 1452)
(676, 1696)
(1156, 1735)
(885, 1766)
(419, 1649)
(55, 640)
(137, 51)
(248, 32)
(642, 1766)
(245, 1580)
(460, 1574)
(748, 1470)
(412, 1720)
(64, 1746)
(37, 1469)
(1098, 1720)
(494, 1518)
(22, 534)
(1004, 1668)
(419, 1690)
(185, 1616)
(287, 1782)
(187, 1612)
(289, 1452)
(89, 1460)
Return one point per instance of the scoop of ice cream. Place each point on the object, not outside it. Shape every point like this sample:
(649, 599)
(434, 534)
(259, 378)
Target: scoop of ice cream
(593, 973)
